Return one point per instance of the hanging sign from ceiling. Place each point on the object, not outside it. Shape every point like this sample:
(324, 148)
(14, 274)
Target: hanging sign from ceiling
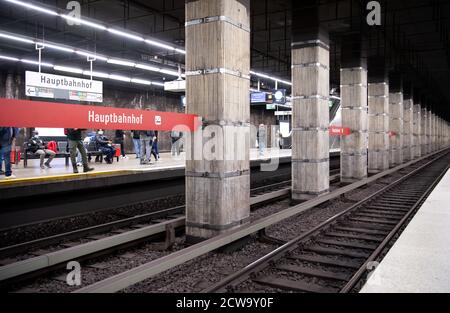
(42, 85)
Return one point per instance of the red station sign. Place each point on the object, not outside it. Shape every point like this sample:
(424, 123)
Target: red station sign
(25, 113)
(339, 131)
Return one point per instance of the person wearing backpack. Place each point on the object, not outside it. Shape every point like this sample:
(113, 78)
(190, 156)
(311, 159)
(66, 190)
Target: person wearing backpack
(7, 137)
(146, 137)
(74, 136)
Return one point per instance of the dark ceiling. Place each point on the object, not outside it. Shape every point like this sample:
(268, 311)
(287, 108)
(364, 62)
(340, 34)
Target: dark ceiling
(414, 36)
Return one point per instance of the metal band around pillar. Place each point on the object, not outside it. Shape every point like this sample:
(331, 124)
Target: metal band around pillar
(378, 114)
(225, 123)
(311, 192)
(310, 129)
(310, 43)
(312, 64)
(354, 153)
(354, 85)
(355, 108)
(310, 160)
(217, 175)
(220, 18)
(303, 97)
(219, 70)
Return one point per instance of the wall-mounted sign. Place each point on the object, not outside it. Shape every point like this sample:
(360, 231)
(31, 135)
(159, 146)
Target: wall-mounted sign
(258, 97)
(279, 96)
(271, 106)
(51, 86)
(24, 113)
(175, 86)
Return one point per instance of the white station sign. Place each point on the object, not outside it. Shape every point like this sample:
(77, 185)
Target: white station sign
(44, 85)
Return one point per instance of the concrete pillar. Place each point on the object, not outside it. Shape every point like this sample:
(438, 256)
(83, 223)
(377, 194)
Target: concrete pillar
(9, 86)
(217, 86)
(408, 104)
(354, 109)
(428, 132)
(433, 132)
(423, 129)
(310, 94)
(417, 140)
(396, 119)
(378, 103)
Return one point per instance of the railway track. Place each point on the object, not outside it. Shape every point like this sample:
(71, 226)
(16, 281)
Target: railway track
(106, 238)
(336, 255)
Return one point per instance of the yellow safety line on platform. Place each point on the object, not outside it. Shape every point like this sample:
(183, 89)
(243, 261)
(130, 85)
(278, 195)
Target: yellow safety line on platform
(64, 177)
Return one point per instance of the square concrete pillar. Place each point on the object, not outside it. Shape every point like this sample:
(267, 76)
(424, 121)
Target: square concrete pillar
(408, 153)
(396, 128)
(310, 120)
(424, 131)
(217, 89)
(378, 102)
(417, 138)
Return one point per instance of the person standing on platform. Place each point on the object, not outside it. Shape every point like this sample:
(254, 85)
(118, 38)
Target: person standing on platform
(155, 150)
(37, 146)
(137, 143)
(75, 143)
(262, 137)
(119, 139)
(7, 138)
(147, 137)
(176, 140)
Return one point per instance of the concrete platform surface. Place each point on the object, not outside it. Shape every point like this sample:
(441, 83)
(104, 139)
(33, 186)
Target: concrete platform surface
(33, 173)
(419, 262)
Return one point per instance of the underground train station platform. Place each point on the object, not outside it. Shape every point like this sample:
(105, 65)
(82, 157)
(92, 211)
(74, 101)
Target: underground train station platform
(315, 152)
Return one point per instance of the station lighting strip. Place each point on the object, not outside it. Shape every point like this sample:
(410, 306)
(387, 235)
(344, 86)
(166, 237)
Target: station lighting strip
(124, 34)
(61, 68)
(68, 49)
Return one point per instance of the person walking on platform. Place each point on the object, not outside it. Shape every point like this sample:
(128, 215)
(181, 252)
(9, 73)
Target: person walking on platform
(137, 143)
(147, 138)
(37, 146)
(75, 143)
(262, 139)
(155, 151)
(105, 146)
(7, 137)
(176, 136)
(119, 139)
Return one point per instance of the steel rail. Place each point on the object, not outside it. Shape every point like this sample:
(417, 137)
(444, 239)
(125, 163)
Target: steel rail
(263, 262)
(145, 271)
(357, 276)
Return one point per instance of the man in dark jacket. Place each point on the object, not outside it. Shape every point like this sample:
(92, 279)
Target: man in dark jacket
(104, 144)
(74, 137)
(147, 138)
(37, 146)
(119, 139)
(7, 136)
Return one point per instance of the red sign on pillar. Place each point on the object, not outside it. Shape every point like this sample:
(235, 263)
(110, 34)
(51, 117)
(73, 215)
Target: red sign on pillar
(339, 131)
(25, 113)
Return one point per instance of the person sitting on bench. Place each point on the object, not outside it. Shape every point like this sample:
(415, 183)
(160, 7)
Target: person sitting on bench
(105, 146)
(37, 146)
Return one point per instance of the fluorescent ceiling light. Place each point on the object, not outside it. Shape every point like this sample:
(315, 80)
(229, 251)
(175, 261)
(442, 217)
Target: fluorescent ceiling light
(148, 67)
(16, 38)
(68, 69)
(141, 81)
(271, 78)
(84, 22)
(52, 46)
(121, 62)
(36, 63)
(119, 77)
(4, 57)
(158, 44)
(180, 51)
(95, 56)
(124, 34)
(96, 74)
(158, 84)
(33, 7)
